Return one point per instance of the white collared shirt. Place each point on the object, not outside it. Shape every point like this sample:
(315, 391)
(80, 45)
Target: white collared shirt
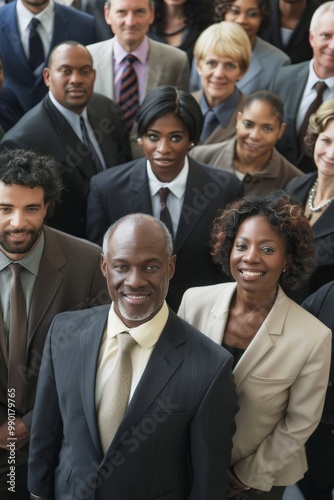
(45, 30)
(175, 199)
(310, 94)
(74, 120)
(146, 336)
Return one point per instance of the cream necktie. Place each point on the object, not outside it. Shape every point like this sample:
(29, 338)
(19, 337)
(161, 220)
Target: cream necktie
(115, 395)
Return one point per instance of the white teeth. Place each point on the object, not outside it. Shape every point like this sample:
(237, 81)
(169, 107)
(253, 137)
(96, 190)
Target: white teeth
(250, 273)
(134, 297)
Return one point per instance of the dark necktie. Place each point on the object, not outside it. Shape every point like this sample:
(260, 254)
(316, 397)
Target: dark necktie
(17, 337)
(129, 94)
(320, 87)
(87, 142)
(164, 212)
(210, 123)
(36, 51)
(115, 395)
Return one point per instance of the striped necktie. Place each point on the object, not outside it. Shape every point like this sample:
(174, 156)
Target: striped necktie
(129, 94)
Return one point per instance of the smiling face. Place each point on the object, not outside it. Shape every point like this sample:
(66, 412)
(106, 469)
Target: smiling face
(247, 14)
(138, 269)
(129, 20)
(258, 130)
(219, 76)
(22, 212)
(71, 76)
(258, 256)
(166, 143)
(324, 151)
(322, 43)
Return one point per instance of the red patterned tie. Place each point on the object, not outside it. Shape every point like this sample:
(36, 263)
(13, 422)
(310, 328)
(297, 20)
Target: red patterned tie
(129, 95)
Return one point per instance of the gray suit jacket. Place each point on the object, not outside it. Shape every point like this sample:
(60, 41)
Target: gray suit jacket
(69, 277)
(166, 66)
(181, 411)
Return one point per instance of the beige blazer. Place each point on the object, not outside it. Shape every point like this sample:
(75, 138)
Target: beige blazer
(166, 66)
(281, 382)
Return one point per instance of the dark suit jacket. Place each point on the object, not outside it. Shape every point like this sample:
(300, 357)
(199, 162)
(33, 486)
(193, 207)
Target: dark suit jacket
(298, 47)
(10, 109)
(289, 86)
(125, 190)
(321, 305)
(69, 277)
(69, 24)
(323, 230)
(96, 9)
(174, 441)
(45, 130)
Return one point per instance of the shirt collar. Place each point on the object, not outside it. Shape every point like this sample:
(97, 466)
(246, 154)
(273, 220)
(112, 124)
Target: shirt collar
(30, 261)
(177, 186)
(141, 52)
(25, 15)
(225, 109)
(72, 117)
(313, 78)
(147, 334)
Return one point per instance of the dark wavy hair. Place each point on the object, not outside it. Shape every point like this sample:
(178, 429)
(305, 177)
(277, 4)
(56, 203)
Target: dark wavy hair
(198, 13)
(168, 99)
(285, 215)
(222, 6)
(27, 168)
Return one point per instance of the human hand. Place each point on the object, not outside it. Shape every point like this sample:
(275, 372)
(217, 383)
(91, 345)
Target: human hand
(235, 486)
(21, 433)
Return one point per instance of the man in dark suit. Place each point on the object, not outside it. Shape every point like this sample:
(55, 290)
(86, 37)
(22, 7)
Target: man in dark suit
(318, 481)
(125, 189)
(295, 85)
(173, 440)
(57, 23)
(54, 127)
(58, 273)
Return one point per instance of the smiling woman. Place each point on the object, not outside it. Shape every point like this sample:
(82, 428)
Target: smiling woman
(266, 244)
(251, 155)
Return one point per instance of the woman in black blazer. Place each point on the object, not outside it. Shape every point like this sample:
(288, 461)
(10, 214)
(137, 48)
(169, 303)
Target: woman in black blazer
(316, 192)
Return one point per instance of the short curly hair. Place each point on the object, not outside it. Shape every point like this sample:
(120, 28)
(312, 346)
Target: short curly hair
(317, 124)
(285, 215)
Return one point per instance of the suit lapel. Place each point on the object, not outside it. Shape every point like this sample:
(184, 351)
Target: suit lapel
(11, 32)
(141, 199)
(154, 67)
(162, 365)
(90, 341)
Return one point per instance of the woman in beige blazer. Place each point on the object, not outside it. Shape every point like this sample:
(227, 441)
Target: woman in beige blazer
(282, 353)
(223, 53)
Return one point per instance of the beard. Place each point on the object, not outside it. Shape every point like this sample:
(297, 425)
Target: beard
(19, 247)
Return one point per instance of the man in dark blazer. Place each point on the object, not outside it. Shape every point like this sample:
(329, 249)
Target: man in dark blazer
(125, 189)
(68, 24)
(174, 438)
(52, 127)
(318, 481)
(295, 85)
(59, 273)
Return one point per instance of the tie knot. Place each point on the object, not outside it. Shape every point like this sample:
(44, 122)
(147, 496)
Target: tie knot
(129, 59)
(320, 87)
(16, 269)
(34, 23)
(163, 193)
(125, 342)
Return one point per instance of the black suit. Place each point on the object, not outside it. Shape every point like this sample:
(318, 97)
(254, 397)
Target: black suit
(318, 481)
(323, 230)
(298, 47)
(175, 440)
(125, 190)
(45, 130)
(96, 9)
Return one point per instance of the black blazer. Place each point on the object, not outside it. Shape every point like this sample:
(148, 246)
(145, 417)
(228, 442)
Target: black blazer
(321, 305)
(298, 47)
(45, 130)
(323, 230)
(175, 440)
(125, 189)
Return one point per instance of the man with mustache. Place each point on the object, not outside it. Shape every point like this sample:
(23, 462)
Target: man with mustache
(57, 272)
(83, 131)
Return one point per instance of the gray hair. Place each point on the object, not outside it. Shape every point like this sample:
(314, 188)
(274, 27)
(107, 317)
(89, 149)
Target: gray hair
(138, 220)
(325, 7)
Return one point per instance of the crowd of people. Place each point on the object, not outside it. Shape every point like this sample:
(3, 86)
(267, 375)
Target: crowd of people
(187, 148)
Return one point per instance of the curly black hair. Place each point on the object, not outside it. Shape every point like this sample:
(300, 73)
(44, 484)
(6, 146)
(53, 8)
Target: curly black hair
(199, 14)
(285, 215)
(222, 6)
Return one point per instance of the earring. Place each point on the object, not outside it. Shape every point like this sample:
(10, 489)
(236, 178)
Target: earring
(139, 141)
(192, 144)
(284, 270)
